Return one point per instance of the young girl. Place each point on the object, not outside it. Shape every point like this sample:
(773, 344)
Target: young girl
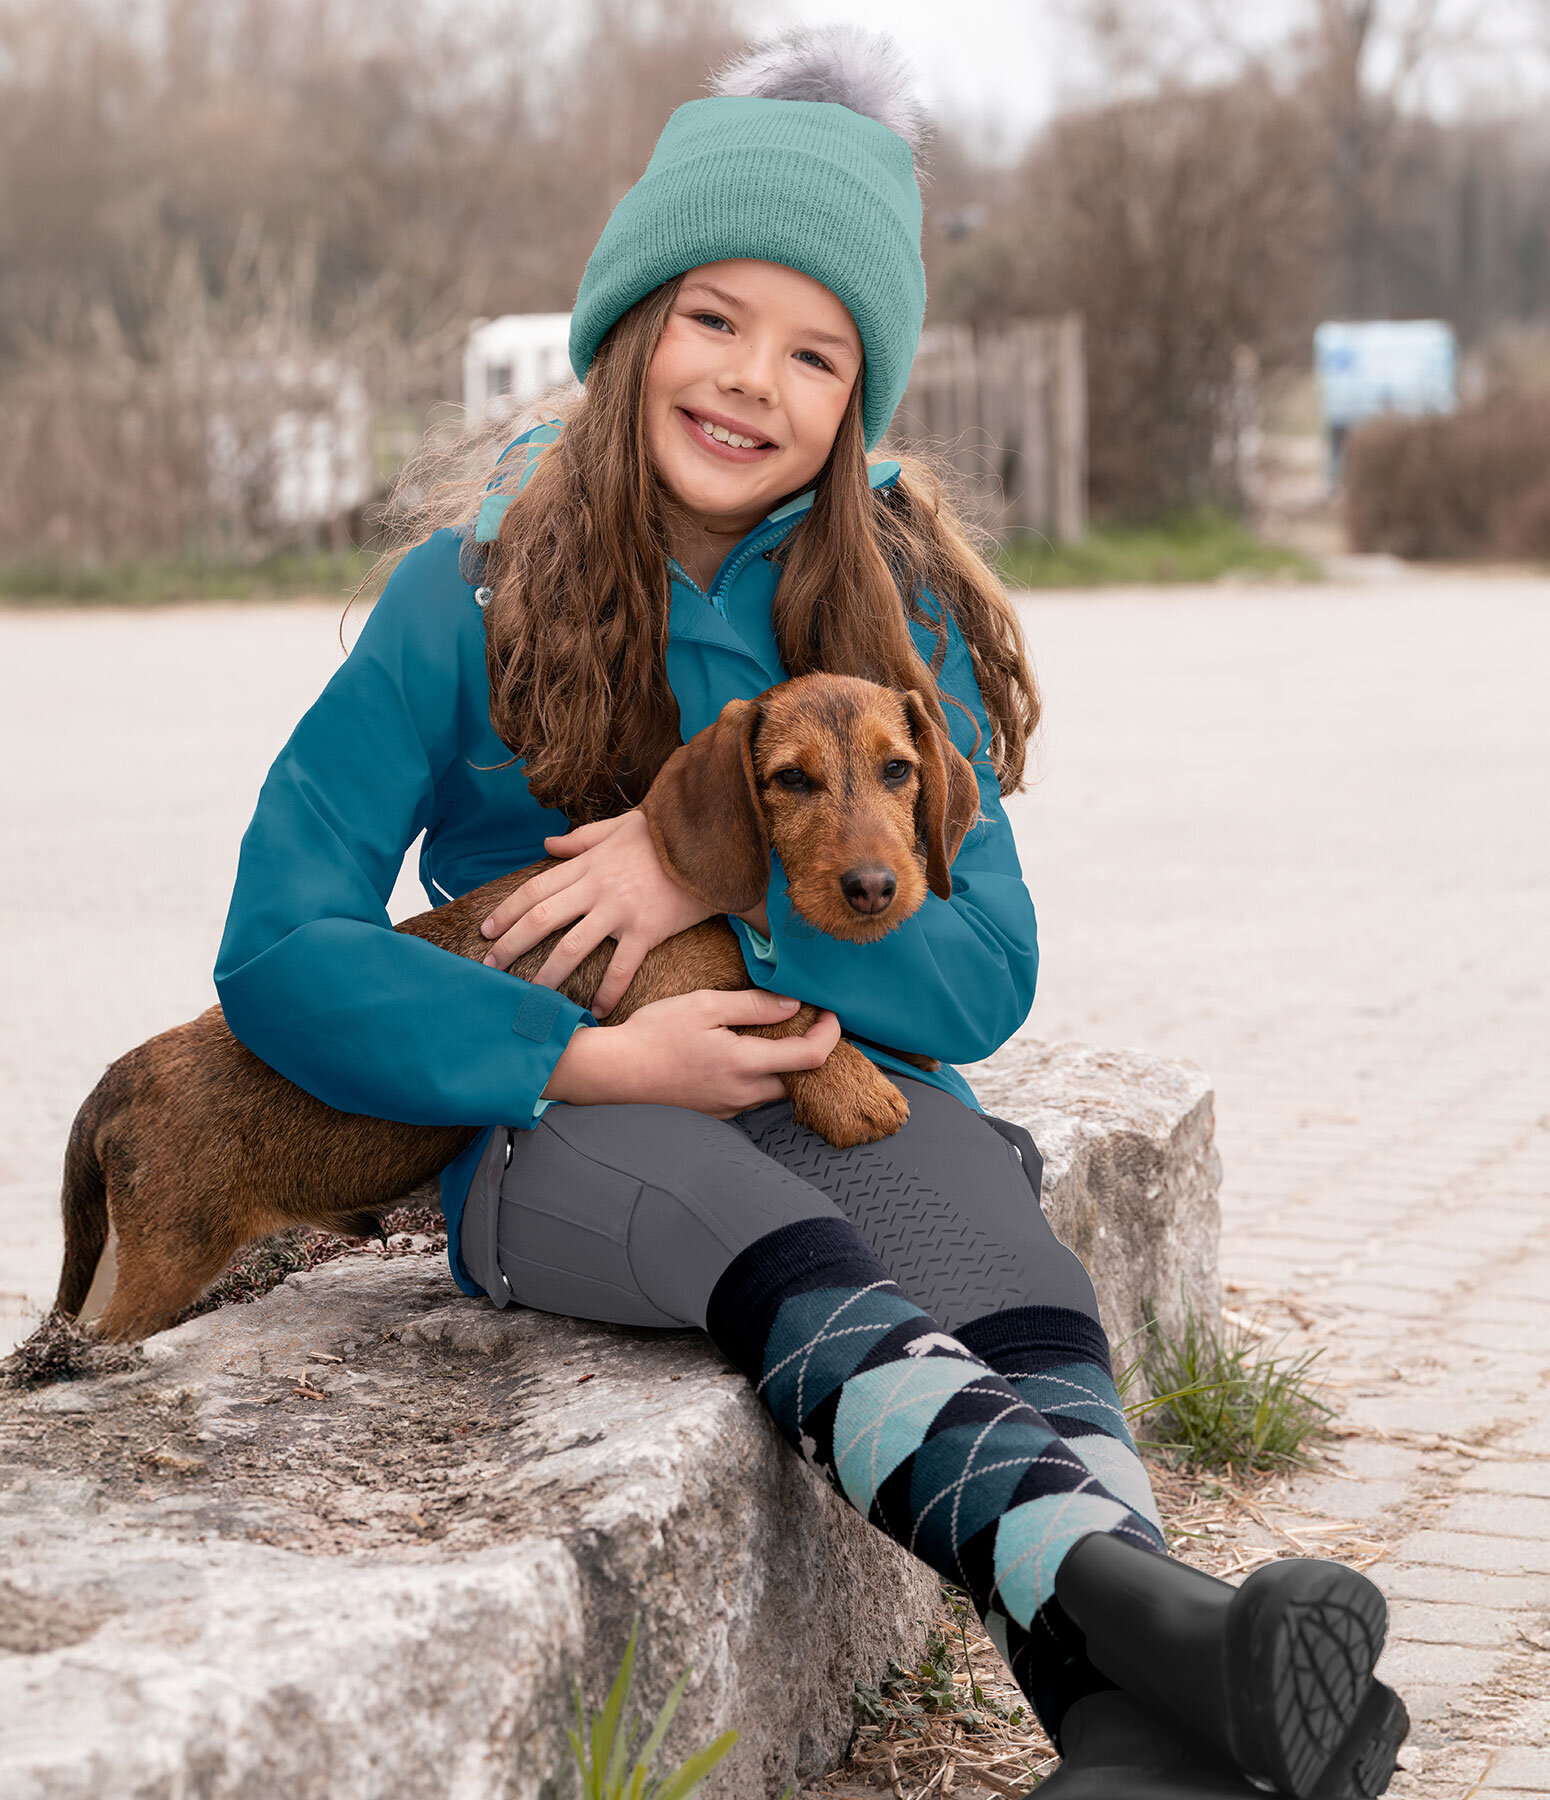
(702, 525)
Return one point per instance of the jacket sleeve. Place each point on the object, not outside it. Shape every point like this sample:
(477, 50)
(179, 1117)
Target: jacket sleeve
(955, 980)
(311, 976)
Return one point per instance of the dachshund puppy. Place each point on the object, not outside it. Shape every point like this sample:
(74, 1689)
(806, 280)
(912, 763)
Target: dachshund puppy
(191, 1146)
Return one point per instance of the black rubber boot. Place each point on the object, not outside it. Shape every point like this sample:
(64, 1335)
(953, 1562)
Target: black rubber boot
(1116, 1749)
(1363, 1763)
(1271, 1675)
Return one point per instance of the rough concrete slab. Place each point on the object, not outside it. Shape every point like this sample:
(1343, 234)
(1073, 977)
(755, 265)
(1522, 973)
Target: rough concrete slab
(1509, 1478)
(1507, 1515)
(1514, 1594)
(1131, 1173)
(487, 1498)
(1429, 1622)
(358, 1538)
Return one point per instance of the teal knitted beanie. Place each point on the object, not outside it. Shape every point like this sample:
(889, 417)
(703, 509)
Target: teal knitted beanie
(807, 183)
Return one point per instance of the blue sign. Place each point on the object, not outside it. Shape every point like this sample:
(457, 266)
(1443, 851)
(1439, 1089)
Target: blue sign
(1384, 366)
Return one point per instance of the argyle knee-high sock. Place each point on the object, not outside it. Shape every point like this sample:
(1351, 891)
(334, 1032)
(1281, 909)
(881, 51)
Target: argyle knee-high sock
(922, 1437)
(1058, 1361)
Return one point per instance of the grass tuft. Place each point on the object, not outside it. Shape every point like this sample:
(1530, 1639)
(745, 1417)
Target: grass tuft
(1203, 545)
(1223, 1402)
(602, 1745)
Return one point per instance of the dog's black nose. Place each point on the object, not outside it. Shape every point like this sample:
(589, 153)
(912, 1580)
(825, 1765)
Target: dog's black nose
(869, 890)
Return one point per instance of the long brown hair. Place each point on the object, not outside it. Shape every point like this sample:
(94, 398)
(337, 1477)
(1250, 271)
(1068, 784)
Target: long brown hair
(576, 629)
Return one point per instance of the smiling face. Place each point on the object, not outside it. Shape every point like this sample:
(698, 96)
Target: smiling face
(747, 388)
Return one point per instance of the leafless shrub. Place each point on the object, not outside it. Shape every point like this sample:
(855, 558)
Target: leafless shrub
(190, 442)
(1237, 184)
(224, 223)
(1470, 484)
(1183, 227)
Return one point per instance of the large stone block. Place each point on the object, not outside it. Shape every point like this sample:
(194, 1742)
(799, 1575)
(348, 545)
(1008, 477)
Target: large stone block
(1131, 1175)
(357, 1538)
(355, 1541)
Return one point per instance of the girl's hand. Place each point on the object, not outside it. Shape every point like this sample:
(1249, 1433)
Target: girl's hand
(681, 1052)
(611, 885)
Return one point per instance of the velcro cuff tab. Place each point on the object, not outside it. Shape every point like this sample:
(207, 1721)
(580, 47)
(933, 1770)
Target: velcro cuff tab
(536, 1019)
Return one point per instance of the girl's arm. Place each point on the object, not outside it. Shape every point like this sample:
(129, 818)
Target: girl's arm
(955, 980)
(310, 974)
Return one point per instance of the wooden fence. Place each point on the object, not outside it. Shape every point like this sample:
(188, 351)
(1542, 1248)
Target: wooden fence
(1008, 409)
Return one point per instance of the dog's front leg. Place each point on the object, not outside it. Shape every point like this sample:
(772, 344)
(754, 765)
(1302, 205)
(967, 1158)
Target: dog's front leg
(847, 1099)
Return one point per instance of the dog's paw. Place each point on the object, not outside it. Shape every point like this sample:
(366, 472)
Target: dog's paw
(867, 1120)
(848, 1100)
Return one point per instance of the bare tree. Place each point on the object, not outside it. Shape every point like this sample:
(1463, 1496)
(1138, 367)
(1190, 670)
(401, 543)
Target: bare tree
(1362, 115)
(1184, 227)
(190, 188)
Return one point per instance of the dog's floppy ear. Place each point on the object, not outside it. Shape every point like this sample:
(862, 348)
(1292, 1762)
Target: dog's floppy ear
(949, 799)
(705, 817)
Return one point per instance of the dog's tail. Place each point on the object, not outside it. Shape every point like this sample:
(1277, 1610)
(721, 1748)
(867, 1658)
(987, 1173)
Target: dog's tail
(83, 1199)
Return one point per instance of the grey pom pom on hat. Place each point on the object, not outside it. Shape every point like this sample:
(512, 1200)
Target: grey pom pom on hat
(843, 65)
(806, 155)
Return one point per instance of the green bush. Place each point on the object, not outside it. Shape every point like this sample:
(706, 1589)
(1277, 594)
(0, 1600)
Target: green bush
(1200, 545)
(45, 583)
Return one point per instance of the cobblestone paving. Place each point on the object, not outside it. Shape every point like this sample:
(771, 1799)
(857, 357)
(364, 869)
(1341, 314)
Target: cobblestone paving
(1295, 835)
(1299, 837)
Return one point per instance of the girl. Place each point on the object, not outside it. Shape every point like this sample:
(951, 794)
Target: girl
(701, 525)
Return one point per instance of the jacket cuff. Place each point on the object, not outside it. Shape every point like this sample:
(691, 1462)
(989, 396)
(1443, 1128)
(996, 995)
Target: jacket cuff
(557, 1036)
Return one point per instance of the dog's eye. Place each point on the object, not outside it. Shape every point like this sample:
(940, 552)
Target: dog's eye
(791, 778)
(896, 771)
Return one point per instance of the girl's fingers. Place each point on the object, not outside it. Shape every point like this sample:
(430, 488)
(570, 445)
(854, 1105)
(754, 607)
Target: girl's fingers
(748, 1006)
(808, 1051)
(534, 906)
(537, 923)
(616, 978)
(583, 837)
(573, 949)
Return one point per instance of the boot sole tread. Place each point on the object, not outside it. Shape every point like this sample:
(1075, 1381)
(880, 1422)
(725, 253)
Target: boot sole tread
(1313, 1637)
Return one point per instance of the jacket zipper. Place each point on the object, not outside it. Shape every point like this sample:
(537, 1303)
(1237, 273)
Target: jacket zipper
(730, 572)
(725, 580)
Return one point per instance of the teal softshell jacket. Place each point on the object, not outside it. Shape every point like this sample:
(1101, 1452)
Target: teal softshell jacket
(314, 981)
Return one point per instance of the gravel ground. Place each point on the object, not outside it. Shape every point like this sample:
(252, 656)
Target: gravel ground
(1294, 834)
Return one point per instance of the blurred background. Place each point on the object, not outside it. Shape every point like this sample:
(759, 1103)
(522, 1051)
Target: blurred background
(247, 248)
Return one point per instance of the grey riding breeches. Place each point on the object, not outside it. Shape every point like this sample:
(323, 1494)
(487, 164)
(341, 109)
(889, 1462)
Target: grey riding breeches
(631, 1213)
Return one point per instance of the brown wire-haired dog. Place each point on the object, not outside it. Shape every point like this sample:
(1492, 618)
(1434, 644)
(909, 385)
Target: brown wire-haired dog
(192, 1147)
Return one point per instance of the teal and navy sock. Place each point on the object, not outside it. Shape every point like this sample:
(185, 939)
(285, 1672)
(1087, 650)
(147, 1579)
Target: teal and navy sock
(922, 1437)
(1058, 1361)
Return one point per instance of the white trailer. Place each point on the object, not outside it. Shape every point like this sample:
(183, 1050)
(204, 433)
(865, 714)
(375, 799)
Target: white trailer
(508, 362)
